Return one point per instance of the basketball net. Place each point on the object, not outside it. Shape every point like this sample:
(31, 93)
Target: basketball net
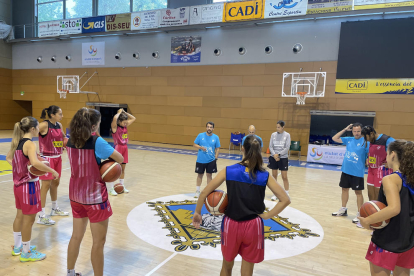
(63, 93)
(301, 97)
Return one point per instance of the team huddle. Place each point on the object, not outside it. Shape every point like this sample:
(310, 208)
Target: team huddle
(88, 192)
(390, 174)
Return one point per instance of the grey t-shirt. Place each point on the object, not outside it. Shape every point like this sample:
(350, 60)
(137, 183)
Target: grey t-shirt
(279, 144)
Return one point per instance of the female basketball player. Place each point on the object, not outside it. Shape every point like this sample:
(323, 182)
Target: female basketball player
(242, 229)
(377, 165)
(392, 247)
(26, 187)
(278, 160)
(119, 129)
(51, 147)
(87, 191)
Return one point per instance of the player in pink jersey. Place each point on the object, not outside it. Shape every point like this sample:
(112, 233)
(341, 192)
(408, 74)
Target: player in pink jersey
(51, 146)
(119, 130)
(377, 163)
(87, 190)
(26, 187)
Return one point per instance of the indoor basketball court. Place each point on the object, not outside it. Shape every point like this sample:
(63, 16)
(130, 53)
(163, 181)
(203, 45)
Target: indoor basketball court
(176, 69)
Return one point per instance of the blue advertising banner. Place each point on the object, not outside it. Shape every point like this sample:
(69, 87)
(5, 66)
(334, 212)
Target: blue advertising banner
(93, 24)
(185, 49)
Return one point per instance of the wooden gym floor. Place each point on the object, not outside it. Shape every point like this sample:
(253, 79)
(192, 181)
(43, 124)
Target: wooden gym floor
(151, 175)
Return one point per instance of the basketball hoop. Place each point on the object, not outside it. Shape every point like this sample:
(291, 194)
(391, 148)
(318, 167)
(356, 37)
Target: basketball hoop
(63, 93)
(301, 97)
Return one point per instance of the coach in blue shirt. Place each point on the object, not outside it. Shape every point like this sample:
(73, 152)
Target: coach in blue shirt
(252, 131)
(208, 145)
(353, 167)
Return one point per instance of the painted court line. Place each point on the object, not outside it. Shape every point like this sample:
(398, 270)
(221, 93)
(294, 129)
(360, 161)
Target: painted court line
(161, 264)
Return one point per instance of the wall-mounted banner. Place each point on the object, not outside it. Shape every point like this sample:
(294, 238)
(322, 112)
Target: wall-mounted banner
(206, 14)
(321, 6)
(49, 29)
(282, 8)
(118, 22)
(174, 17)
(71, 26)
(145, 20)
(239, 11)
(93, 53)
(378, 4)
(93, 24)
(185, 49)
(374, 86)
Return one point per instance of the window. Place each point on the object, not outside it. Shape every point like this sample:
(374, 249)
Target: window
(145, 5)
(113, 6)
(78, 8)
(49, 10)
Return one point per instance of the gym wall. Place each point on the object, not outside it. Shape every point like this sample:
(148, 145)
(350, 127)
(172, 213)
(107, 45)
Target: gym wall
(173, 103)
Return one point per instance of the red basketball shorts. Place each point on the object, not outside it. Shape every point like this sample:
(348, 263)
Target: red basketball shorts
(375, 175)
(123, 150)
(27, 197)
(242, 237)
(95, 212)
(56, 164)
(389, 260)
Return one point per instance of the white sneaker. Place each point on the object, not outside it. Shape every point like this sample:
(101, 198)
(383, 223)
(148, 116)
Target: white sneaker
(197, 194)
(356, 220)
(112, 192)
(45, 220)
(126, 190)
(274, 198)
(58, 212)
(342, 212)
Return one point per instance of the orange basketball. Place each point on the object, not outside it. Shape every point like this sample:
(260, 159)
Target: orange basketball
(216, 202)
(65, 141)
(35, 171)
(110, 170)
(119, 188)
(371, 207)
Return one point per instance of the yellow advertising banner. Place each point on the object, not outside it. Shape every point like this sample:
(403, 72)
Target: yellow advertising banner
(118, 22)
(375, 4)
(374, 86)
(239, 11)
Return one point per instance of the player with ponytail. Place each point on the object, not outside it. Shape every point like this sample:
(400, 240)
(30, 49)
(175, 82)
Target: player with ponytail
(242, 228)
(26, 187)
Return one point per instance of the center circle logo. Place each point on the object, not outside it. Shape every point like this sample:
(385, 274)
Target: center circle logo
(166, 223)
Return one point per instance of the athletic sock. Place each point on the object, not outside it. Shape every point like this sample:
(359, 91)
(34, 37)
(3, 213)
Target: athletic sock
(71, 272)
(121, 181)
(17, 239)
(26, 246)
(54, 204)
(198, 188)
(111, 184)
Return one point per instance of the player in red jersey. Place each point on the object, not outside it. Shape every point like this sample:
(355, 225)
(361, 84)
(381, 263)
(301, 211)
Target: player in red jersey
(51, 146)
(26, 187)
(87, 191)
(119, 130)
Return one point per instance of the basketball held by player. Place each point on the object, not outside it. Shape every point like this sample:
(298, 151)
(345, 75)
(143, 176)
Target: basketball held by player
(119, 130)
(392, 247)
(377, 164)
(51, 137)
(26, 187)
(242, 228)
(278, 160)
(87, 191)
(208, 145)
